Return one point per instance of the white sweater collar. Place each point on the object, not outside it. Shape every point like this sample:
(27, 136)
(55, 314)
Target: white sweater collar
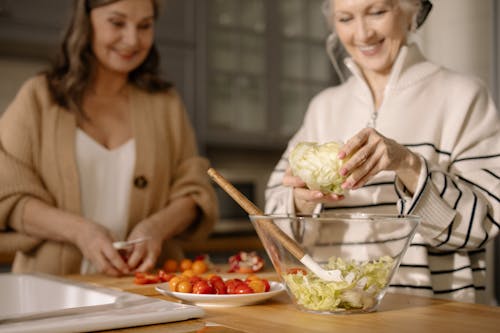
(409, 67)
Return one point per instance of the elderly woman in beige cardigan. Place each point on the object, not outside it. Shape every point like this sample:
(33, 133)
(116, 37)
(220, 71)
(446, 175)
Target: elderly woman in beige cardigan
(101, 107)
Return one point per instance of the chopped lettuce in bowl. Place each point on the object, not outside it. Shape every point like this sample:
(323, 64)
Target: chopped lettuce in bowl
(361, 287)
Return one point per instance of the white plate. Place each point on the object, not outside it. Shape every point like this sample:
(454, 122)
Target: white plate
(223, 300)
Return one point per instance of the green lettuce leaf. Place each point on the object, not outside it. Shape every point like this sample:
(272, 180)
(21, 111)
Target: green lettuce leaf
(318, 166)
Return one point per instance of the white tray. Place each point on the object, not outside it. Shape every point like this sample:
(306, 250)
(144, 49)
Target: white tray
(43, 303)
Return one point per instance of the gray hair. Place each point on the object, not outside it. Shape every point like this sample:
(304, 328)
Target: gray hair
(335, 50)
(409, 7)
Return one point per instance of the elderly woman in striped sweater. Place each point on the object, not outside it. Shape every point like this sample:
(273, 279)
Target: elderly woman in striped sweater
(421, 139)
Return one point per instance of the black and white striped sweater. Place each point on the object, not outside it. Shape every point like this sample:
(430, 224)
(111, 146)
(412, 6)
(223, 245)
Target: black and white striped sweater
(452, 123)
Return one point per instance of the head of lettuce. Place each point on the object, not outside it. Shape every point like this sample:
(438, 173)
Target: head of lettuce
(318, 166)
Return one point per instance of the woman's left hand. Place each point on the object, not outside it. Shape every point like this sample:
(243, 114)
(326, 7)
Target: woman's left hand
(165, 224)
(144, 255)
(370, 153)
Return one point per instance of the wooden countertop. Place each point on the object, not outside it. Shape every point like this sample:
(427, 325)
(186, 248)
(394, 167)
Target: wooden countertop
(397, 313)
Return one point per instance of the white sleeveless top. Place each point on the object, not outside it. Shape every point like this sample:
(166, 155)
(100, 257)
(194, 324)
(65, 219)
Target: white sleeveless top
(105, 184)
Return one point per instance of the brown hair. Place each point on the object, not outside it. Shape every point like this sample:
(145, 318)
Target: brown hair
(69, 74)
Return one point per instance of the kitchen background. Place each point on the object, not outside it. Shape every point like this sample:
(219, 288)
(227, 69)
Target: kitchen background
(246, 70)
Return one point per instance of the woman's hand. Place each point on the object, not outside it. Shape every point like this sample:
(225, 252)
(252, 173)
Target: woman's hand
(144, 255)
(306, 199)
(96, 245)
(370, 152)
(159, 227)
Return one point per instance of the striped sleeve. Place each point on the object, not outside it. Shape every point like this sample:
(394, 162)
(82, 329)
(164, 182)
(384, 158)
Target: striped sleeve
(460, 203)
(279, 199)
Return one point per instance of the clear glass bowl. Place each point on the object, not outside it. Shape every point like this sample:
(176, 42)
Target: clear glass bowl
(364, 250)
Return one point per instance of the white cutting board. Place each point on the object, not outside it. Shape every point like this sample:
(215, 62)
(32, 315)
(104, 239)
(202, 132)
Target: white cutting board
(43, 303)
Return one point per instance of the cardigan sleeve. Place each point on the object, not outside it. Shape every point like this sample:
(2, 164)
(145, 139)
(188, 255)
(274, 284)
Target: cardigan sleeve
(460, 206)
(190, 177)
(19, 141)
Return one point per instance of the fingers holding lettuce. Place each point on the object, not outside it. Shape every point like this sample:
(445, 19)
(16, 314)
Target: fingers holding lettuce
(368, 153)
(305, 198)
(314, 174)
(321, 173)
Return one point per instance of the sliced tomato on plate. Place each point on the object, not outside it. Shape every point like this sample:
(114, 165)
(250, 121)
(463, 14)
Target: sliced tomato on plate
(146, 278)
(245, 262)
(164, 276)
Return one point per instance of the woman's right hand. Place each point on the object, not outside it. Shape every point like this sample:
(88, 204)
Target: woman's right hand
(96, 245)
(94, 241)
(305, 199)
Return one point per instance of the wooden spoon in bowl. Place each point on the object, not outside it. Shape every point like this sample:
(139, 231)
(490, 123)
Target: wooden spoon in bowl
(274, 230)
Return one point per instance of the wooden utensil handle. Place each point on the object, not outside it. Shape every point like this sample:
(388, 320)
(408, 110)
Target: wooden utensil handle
(237, 196)
(282, 238)
(252, 209)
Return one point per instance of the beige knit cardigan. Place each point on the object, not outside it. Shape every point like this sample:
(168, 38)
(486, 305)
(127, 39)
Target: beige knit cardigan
(37, 159)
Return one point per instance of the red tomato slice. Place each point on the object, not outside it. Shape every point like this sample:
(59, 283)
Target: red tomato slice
(296, 270)
(245, 262)
(164, 276)
(146, 278)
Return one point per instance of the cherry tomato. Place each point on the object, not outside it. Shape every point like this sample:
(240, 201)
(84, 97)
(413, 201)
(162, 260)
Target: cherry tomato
(213, 277)
(232, 284)
(175, 281)
(243, 288)
(199, 267)
(258, 286)
(184, 287)
(219, 287)
(170, 266)
(202, 287)
(267, 285)
(185, 264)
(188, 273)
(194, 279)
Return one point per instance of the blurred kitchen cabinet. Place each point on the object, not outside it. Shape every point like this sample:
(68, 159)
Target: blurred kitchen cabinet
(176, 22)
(264, 61)
(178, 67)
(32, 25)
(41, 22)
(175, 38)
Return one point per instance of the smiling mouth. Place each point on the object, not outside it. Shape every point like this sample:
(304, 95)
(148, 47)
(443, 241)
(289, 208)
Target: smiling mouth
(370, 49)
(127, 55)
